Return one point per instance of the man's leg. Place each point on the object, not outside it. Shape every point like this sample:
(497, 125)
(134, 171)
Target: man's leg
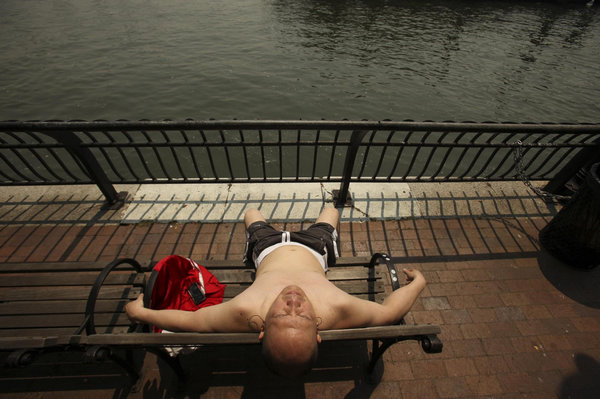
(253, 215)
(330, 216)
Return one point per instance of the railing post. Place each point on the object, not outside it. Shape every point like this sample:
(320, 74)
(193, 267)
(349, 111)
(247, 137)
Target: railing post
(91, 166)
(342, 196)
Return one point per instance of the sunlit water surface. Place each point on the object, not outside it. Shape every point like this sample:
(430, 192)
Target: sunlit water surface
(284, 59)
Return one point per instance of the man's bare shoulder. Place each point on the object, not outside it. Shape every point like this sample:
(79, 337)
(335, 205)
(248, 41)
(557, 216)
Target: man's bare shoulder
(230, 316)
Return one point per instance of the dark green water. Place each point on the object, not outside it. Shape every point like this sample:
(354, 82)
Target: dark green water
(282, 59)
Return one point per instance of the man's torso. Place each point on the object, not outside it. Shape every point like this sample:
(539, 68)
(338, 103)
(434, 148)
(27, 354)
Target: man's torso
(292, 265)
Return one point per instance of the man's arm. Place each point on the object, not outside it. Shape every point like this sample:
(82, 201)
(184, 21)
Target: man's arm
(224, 317)
(362, 313)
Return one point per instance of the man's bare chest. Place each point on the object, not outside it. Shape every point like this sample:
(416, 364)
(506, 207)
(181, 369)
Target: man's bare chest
(322, 294)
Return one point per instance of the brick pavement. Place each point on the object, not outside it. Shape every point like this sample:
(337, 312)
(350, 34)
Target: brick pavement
(515, 323)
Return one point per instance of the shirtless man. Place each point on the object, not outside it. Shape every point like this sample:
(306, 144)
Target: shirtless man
(290, 299)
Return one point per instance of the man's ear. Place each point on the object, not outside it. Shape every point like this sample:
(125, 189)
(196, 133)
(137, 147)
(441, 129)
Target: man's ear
(318, 337)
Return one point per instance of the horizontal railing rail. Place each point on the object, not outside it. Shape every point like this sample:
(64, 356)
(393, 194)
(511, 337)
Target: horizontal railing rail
(136, 152)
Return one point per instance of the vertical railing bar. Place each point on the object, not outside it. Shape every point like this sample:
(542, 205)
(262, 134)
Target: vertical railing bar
(547, 166)
(568, 140)
(475, 158)
(227, 157)
(209, 152)
(174, 154)
(332, 157)
(533, 157)
(39, 158)
(64, 167)
(298, 140)
(342, 194)
(401, 147)
(25, 162)
(448, 152)
(412, 162)
(428, 161)
(192, 156)
(245, 152)
(280, 152)
(9, 164)
(156, 153)
(387, 143)
(89, 163)
(104, 152)
(489, 160)
(561, 159)
(125, 160)
(509, 137)
(262, 154)
(366, 155)
(140, 157)
(316, 155)
(547, 159)
(45, 164)
(500, 164)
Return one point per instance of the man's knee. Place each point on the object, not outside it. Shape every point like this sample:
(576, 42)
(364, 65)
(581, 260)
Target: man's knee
(253, 215)
(329, 215)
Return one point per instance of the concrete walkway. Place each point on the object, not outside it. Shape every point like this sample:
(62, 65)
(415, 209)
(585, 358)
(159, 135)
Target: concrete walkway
(217, 203)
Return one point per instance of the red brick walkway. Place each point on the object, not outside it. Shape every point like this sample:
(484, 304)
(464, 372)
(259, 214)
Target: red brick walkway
(515, 323)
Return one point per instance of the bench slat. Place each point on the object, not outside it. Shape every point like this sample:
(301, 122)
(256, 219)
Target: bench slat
(61, 320)
(245, 338)
(21, 334)
(225, 263)
(351, 287)
(65, 306)
(55, 266)
(75, 292)
(228, 276)
(69, 278)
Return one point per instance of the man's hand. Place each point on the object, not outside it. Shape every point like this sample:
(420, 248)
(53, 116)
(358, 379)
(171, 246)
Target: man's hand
(413, 274)
(134, 308)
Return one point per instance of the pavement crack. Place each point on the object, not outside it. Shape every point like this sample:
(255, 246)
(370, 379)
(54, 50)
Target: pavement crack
(328, 197)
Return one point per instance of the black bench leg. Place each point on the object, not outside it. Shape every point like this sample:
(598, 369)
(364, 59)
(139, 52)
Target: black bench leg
(102, 353)
(174, 363)
(127, 365)
(379, 347)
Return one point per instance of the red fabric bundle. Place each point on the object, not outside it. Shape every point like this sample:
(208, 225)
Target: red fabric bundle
(175, 276)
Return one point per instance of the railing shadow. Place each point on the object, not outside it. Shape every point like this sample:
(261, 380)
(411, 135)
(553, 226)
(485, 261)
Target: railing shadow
(36, 229)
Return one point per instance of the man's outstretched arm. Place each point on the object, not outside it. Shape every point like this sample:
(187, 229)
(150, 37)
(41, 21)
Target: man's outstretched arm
(224, 317)
(362, 313)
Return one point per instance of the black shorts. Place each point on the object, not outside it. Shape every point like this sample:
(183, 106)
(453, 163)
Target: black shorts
(321, 237)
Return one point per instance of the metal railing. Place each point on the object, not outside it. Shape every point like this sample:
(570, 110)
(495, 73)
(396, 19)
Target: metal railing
(124, 152)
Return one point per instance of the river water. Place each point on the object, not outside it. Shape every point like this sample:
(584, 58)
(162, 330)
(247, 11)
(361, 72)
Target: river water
(302, 59)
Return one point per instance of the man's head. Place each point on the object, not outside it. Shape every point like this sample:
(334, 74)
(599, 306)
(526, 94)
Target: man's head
(290, 336)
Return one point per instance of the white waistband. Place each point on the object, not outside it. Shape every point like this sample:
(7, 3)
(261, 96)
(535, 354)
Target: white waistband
(321, 258)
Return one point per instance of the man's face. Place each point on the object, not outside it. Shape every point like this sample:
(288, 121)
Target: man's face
(292, 311)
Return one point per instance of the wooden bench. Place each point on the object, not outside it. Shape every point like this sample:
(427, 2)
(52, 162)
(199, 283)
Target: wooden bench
(47, 307)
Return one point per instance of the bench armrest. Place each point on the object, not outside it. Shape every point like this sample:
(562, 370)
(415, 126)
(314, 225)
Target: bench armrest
(394, 276)
(90, 328)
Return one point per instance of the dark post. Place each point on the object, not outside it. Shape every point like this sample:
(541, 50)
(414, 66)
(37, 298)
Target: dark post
(342, 196)
(91, 167)
(582, 160)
